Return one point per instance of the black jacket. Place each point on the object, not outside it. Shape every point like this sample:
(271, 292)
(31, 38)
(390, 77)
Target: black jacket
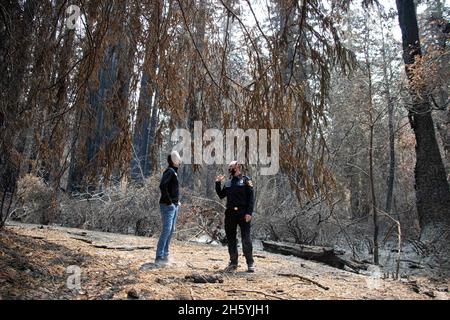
(169, 186)
(239, 193)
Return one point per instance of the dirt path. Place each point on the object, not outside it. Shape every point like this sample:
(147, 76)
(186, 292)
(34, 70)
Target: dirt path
(34, 262)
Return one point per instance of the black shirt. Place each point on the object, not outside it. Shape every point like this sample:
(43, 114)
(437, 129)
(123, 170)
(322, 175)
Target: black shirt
(169, 186)
(239, 193)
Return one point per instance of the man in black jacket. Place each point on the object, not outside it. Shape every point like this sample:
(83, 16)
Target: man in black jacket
(169, 205)
(240, 201)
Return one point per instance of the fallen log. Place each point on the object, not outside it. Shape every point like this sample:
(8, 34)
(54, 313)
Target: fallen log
(325, 255)
(81, 239)
(121, 247)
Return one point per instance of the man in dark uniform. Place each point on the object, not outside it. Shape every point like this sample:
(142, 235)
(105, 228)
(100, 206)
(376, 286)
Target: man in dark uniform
(240, 201)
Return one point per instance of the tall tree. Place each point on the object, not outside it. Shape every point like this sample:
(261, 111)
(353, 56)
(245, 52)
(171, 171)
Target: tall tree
(103, 151)
(387, 83)
(147, 113)
(435, 30)
(371, 124)
(16, 42)
(196, 32)
(432, 188)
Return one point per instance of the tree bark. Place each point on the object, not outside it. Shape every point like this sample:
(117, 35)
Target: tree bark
(195, 87)
(147, 115)
(438, 33)
(373, 208)
(390, 105)
(432, 188)
(103, 153)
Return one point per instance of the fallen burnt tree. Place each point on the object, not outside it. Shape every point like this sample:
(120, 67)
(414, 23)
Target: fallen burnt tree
(327, 255)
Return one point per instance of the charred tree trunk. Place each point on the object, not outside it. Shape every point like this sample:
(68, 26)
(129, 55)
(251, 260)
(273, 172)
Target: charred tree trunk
(103, 154)
(372, 198)
(195, 87)
(432, 188)
(439, 32)
(372, 120)
(147, 114)
(16, 41)
(390, 105)
(51, 150)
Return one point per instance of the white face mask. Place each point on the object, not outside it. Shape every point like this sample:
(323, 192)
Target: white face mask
(176, 163)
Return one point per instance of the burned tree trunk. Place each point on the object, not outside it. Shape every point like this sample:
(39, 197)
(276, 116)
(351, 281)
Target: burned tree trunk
(16, 43)
(195, 84)
(432, 188)
(387, 75)
(147, 114)
(103, 153)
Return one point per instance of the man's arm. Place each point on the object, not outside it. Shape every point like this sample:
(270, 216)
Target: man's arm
(221, 192)
(164, 184)
(250, 193)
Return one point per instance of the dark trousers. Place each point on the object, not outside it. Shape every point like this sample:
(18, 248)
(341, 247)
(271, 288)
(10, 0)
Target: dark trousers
(232, 220)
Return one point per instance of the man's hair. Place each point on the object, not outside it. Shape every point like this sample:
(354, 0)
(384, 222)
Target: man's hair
(169, 160)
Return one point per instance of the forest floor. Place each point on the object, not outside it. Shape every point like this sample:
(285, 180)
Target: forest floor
(34, 263)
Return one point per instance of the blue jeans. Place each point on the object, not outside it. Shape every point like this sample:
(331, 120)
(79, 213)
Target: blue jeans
(169, 220)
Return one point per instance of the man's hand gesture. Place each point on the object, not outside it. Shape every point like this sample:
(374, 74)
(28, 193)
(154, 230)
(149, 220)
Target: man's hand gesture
(220, 178)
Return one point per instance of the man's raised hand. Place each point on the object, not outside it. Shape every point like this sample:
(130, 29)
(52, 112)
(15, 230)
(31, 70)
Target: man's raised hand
(220, 178)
